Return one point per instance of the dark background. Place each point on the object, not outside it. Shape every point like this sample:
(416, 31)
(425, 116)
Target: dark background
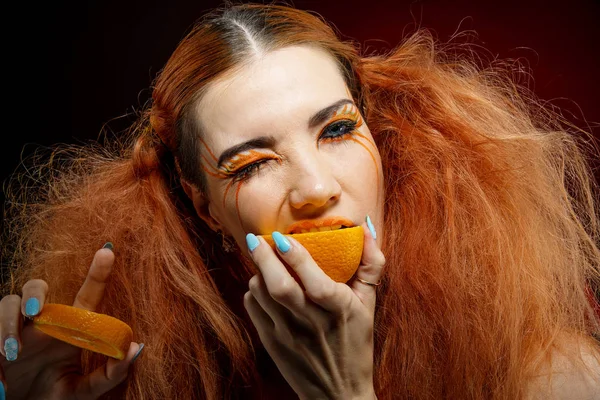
(74, 67)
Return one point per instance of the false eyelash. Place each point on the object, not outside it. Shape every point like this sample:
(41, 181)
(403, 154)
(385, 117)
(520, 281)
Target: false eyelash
(350, 125)
(246, 172)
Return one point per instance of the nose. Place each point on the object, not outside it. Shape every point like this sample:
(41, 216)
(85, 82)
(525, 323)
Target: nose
(314, 185)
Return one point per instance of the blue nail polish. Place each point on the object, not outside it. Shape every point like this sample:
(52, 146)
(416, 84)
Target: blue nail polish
(11, 348)
(108, 245)
(252, 241)
(138, 352)
(282, 243)
(2, 392)
(371, 228)
(32, 307)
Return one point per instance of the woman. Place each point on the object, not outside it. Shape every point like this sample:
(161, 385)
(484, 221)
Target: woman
(480, 201)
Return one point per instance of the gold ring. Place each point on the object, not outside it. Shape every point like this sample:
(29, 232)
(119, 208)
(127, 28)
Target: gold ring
(368, 283)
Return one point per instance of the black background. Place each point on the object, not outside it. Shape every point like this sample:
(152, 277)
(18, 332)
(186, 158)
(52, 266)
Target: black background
(74, 67)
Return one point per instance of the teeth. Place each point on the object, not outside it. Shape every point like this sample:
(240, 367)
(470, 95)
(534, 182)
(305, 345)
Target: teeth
(321, 229)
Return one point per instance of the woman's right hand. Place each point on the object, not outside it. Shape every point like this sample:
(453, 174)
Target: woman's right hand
(46, 368)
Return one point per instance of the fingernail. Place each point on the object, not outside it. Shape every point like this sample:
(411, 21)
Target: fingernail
(11, 348)
(2, 391)
(138, 352)
(108, 245)
(371, 228)
(252, 241)
(282, 243)
(32, 307)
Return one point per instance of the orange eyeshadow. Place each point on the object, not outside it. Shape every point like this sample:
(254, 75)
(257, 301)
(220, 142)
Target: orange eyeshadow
(245, 158)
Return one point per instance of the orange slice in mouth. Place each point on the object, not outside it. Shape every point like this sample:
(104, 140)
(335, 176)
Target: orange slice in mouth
(100, 333)
(337, 252)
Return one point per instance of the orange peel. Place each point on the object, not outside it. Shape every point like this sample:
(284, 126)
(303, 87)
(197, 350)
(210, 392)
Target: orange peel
(337, 252)
(86, 329)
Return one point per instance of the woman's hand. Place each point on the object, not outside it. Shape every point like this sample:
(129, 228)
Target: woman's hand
(320, 338)
(36, 366)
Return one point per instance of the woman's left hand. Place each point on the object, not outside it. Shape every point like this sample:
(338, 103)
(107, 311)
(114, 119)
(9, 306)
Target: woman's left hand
(320, 338)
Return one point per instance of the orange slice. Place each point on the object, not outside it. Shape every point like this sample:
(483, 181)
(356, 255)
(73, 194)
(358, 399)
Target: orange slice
(336, 252)
(100, 333)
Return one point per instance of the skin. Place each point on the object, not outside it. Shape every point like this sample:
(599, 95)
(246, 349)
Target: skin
(304, 176)
(318, 332)
(319, 335)
(46, 368)
(322, 341)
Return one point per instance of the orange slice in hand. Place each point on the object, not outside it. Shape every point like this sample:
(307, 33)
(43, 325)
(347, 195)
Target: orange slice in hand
(337, 252)
(100, 333)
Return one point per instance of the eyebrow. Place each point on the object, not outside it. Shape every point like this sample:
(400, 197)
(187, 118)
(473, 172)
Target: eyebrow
(326, 113)
(264, 142)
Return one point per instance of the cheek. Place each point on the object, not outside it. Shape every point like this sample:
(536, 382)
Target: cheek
(360, 165)
(360, 174)
(250, 207)
(253, 206)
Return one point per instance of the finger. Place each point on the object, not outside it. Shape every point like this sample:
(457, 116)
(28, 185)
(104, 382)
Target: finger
(259, 317)
(34, 296)
(108, 376)
(11, 322)
(369, 270)
(91, 292)
(277, 312)
(280, 284)
(318, 286)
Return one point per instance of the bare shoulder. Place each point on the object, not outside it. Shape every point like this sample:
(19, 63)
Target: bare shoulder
(572, 374)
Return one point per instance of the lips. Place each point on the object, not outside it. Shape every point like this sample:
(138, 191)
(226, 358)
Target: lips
(318, 225)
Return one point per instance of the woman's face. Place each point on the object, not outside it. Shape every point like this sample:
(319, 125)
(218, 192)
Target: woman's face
(285, 148)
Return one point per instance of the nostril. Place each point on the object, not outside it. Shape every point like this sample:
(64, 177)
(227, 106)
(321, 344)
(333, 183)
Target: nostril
(300, 199)
(317, 189)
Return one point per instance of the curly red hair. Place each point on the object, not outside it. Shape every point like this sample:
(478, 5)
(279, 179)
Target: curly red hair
(490, 221)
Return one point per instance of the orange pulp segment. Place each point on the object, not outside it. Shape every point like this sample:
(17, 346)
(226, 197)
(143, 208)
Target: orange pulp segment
(100, 333)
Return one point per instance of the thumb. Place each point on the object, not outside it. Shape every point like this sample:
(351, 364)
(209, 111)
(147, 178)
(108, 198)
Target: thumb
(108, 376)
(370, 269)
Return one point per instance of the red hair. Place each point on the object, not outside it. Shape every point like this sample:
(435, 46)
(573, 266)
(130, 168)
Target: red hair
(490, 222)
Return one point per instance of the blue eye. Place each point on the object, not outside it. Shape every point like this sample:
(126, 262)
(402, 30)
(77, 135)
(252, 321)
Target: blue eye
(338, 129)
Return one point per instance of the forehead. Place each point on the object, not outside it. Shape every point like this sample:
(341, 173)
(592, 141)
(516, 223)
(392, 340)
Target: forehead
(273, 94)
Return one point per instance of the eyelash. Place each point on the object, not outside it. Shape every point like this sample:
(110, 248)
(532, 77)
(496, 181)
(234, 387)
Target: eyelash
(350, 125)
(248, 171)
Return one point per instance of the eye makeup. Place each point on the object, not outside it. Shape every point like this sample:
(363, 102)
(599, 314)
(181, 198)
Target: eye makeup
(244, 159)
(342, 126)
(210, 169)
(351, 114)
(348, 117)
(349, 111)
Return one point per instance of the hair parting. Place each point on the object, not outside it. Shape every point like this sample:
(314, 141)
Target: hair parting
(492, 232)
